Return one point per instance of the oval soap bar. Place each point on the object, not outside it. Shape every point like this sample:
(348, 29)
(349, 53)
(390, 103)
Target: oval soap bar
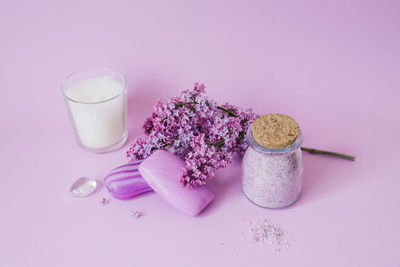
(125, 181)
(162, 171)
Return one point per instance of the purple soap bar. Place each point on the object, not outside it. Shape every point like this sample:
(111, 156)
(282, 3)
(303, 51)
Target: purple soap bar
(125, 181)
(162, 171)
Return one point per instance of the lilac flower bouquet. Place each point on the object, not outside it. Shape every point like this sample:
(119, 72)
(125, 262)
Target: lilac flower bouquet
(193, 127)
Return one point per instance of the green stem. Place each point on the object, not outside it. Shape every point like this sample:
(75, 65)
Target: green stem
(219, 143)
(165, 145)
(230, 113)
(186, 103)
(324, 152)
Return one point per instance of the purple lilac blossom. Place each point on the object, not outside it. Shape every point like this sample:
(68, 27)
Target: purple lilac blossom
(193, 127)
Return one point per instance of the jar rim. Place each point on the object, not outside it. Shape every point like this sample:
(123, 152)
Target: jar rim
(250, 140)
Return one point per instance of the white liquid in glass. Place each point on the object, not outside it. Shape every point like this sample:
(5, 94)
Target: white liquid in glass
(99, 117)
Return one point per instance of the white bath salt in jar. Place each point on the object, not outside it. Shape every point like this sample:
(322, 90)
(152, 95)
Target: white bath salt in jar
(272, 165)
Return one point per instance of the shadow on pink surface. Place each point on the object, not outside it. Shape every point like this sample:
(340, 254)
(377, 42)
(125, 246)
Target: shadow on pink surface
(142, 96)
(319, 177)
(226, 186)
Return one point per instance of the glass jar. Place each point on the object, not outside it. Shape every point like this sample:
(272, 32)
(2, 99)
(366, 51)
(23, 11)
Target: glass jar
(272, 178)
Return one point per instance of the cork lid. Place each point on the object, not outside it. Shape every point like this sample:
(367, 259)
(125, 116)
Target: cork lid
(275, 130)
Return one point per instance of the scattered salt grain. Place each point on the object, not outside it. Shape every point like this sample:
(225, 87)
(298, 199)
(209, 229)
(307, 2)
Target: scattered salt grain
(268, 232)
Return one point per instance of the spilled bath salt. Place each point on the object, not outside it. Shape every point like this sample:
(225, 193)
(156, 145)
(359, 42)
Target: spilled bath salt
(270, 233)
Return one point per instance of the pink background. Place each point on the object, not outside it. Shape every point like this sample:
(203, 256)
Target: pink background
(334, 66)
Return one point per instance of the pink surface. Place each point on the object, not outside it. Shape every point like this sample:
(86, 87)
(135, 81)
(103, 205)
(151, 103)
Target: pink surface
(334, 66)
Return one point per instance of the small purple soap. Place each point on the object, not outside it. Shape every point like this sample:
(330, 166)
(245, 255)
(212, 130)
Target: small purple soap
(125, 181)
(162, 171)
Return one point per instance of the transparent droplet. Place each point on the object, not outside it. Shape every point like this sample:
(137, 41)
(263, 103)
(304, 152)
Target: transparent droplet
(83, 187)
